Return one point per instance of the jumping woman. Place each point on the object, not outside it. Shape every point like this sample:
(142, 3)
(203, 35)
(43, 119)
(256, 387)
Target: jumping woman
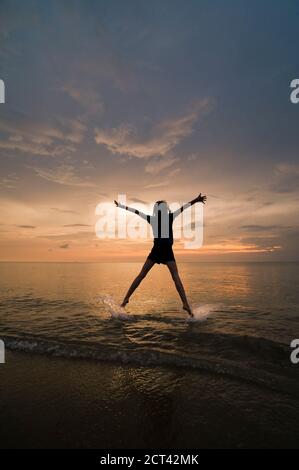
(161, 222)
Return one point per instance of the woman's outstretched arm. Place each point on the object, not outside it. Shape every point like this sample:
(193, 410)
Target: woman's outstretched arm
(131, 209)
(199, 198)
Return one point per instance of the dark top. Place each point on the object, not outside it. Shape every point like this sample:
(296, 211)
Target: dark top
(161, 224)
(161, 227)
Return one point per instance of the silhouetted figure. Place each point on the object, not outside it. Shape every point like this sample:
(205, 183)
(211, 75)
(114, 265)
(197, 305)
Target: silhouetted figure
(161, 222)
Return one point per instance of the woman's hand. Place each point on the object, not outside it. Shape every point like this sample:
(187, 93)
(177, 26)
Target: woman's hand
(201, 198)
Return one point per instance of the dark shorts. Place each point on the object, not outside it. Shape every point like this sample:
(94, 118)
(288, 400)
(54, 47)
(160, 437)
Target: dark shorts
(161, 253)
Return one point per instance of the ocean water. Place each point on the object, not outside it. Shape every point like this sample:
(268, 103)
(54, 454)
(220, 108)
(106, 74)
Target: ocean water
(246, 315)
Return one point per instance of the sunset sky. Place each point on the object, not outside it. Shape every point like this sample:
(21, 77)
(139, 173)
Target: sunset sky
(155, 100)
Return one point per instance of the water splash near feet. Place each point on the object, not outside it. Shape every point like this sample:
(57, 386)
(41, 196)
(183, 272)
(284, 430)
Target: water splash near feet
(202, 312)
(114, 308)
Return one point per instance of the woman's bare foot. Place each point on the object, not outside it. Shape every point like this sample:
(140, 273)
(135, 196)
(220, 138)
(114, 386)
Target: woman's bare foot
(124, 303)
(188, 309)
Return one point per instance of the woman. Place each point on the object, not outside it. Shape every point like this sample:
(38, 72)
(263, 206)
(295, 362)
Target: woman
(161, 222)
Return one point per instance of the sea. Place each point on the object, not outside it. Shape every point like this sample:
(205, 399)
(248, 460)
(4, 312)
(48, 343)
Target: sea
(246, 316)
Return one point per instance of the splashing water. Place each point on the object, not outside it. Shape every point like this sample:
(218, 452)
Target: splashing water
(202, 312)
(114, 308)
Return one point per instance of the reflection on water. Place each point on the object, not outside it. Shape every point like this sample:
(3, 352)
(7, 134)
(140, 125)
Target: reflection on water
(250, 310)
(259, 299)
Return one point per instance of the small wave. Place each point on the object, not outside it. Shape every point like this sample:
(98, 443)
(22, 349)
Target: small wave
(143, 356)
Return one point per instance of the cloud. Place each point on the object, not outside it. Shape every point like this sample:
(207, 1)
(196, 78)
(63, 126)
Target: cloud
(76, 225)
(74, 129)
(26, 226)
(9, 181)
(65, 246)
(156, 185)
(174, 172)
(63, 211)
(158, 141)
(267, 244)
(86, 96)
(264, 228)
(34, 148)
(137, 200)
(64, 175)
(82, 235)
(159, 184)
(250, 246)
(27, 135)
(286, 178)
(155, 166)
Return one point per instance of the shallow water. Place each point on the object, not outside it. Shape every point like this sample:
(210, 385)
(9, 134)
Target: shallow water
(245, 316)
(48, 402)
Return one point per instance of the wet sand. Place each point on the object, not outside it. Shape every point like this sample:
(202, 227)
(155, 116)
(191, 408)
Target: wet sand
(47, 402)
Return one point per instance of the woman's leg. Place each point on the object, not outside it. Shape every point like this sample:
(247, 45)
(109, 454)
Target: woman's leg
(145, 269)
(172, 266)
